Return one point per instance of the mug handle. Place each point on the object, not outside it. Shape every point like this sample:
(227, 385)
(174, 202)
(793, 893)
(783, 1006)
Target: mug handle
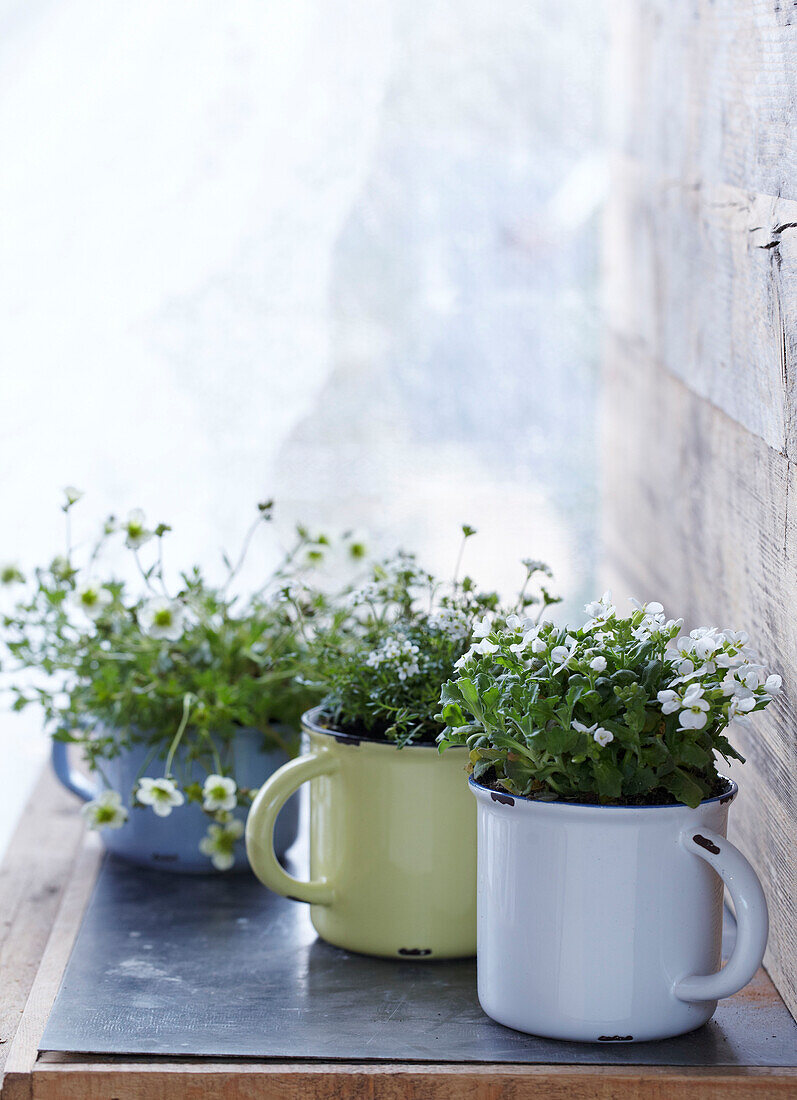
(73, 780)
(751, 917)
(262, 818)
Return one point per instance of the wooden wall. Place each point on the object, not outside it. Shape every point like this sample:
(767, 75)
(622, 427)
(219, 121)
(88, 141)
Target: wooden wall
(700, 395)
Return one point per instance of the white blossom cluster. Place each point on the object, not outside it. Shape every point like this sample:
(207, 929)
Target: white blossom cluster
(219, 799)
(399, 652)
(696, 693)
(701, 655)
(449, 620)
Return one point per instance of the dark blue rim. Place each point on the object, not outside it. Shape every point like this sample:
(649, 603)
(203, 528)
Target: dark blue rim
(728, 796)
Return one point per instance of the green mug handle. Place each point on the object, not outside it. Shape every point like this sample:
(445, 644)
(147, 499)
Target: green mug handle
(262, 818)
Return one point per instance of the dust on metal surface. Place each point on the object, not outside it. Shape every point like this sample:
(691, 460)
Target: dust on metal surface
(216, 966)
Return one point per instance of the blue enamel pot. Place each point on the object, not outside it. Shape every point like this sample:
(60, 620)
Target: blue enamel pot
(172, 843)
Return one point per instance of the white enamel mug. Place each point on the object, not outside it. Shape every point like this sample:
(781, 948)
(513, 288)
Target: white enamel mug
(604, 923)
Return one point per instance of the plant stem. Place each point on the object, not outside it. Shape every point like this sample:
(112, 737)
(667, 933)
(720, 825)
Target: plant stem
(160, 567)
(143, 573)
(187, 700)
(244, 550)
(458, 563)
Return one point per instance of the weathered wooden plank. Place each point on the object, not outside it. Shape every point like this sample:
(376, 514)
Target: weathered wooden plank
(336, 1081)
(32, 879)
(704, 90)
(704, 278)
(696, 513)
(17, 1082)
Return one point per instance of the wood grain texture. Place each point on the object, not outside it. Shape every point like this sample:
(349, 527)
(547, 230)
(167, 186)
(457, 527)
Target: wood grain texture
(696, 514)
(32, 880)
(701, 385)
(22, 1057)
(703, 278)
(337, 1081)
(704, 90)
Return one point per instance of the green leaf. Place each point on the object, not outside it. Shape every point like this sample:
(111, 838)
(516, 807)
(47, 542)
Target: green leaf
(452, 715)
(470, 695)
(558, 739)
(64, 735)
(608, 778)
(684, 787)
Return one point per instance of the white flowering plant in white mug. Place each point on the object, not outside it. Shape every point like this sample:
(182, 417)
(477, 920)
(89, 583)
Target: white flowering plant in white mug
(406, 631)
(625, 710)
(115, 665)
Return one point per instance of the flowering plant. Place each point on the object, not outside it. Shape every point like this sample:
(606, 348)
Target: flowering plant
(622, 710)
(114, 667)
(384, 681)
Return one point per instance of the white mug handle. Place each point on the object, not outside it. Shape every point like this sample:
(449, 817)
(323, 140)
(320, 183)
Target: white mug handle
(752, 918)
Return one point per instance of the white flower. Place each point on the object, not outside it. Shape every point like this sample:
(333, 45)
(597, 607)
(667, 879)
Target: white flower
(219, 843)
(356, 543)
(693, 718)
(482, 627)
(135, 529)
(161, 794)
(693, 709)
(10, 573)
(598, 664)
(539, 645)
(449, 620)
(684, 647)
(706, 646)
(463, 660)
(652, 619)
(670, 701)
(219, 793)
(105, 812)
(752, 676)
(730, 684)
(652, 608)
(600, 610)
(162, 618)
(692, 673)
(92, 599)
(561, 655)
(728, 658)
(596, 732)
(741, 704)
(773, 684)
(72, 495)
(528, 639)
(523, 623)
(688, 662)
(485, 647)
(401, 653)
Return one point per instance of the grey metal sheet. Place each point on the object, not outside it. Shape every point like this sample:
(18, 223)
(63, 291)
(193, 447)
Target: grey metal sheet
(222, 967)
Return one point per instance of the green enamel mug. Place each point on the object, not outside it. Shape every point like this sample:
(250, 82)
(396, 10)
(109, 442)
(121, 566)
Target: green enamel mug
(392, 844)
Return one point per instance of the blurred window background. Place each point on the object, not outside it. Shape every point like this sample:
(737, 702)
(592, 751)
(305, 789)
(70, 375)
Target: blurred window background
(341, 254)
